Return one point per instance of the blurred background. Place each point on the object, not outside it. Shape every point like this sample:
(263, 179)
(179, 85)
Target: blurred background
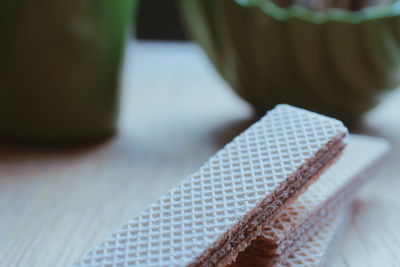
(160, 20)
(106, 105)
(341, 57)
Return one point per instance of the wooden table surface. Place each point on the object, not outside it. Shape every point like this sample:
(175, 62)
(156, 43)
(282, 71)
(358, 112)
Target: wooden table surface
(176, 112)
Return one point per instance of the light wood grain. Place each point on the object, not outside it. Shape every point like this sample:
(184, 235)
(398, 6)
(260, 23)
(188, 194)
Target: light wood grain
(176, 112)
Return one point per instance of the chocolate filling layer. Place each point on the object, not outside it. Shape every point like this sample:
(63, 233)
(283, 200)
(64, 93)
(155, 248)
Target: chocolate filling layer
(226, 249)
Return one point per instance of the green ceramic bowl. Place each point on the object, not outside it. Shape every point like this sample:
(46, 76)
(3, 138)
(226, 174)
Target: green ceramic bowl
(337, 62)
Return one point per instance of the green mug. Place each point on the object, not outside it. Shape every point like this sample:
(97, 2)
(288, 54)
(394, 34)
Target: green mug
(59, 69)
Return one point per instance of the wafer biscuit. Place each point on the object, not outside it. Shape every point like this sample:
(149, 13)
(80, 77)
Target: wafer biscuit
(314, 250)
(334, 188)
(318, 249)
(216, 212)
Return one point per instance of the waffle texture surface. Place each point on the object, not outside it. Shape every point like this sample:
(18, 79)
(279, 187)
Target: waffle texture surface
(331, 191)
(318, 249)
(211, 204)
(321, 201)
(314, 250)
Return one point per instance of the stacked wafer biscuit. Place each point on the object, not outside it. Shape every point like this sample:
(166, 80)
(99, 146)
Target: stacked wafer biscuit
(319, 205)
(250, 191)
